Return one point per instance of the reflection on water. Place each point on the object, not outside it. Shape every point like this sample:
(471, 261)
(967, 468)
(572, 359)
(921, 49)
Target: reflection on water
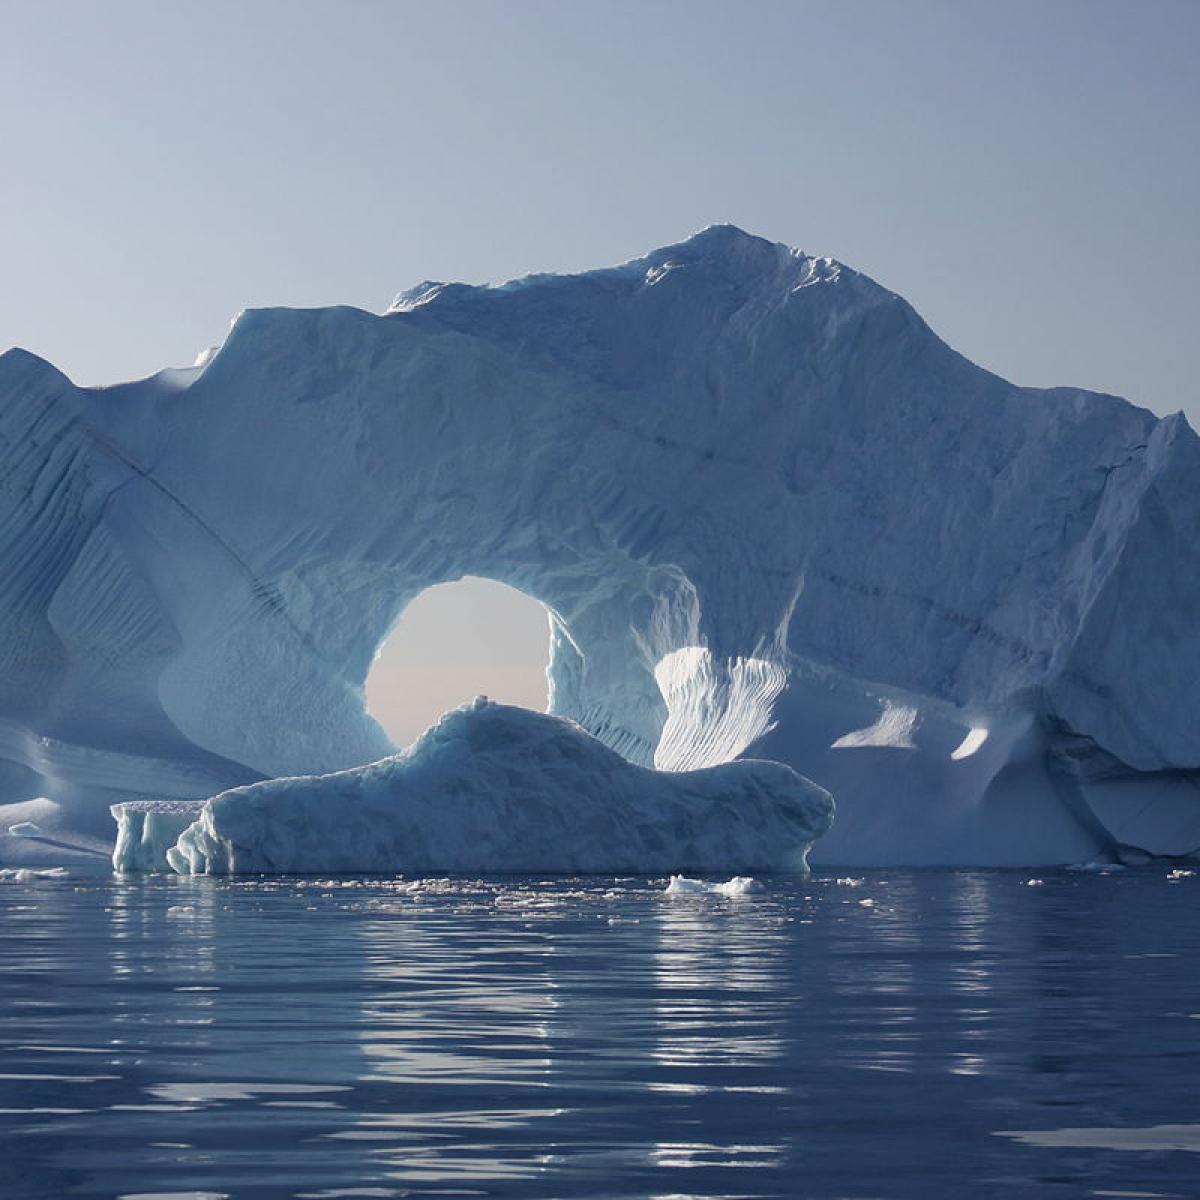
(1158, 1137)
(900, 1034)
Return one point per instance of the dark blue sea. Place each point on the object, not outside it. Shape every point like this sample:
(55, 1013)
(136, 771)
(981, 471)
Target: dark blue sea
(898, 1034)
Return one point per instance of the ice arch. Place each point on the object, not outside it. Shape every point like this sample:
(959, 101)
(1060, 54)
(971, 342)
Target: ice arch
(451, 643)
(769, 512)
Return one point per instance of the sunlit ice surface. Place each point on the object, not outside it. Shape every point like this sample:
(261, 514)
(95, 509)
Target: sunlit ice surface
(884, 1034)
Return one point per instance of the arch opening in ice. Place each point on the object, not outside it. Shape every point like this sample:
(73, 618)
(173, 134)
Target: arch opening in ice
(452, 642)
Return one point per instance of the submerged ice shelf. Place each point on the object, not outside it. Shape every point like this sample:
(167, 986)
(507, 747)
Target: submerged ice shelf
(770, 515)
(491, 788)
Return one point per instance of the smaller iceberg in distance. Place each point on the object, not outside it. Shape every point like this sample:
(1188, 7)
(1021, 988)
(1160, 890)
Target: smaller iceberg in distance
(497, 789)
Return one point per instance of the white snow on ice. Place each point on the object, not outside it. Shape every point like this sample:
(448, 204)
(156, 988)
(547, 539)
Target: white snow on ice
(894, 728)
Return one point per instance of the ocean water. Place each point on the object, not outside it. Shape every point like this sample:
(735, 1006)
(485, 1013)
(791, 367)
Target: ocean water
(890, 1034)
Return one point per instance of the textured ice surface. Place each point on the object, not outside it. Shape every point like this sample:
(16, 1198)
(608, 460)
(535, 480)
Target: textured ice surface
(497, 788)
(768, 511)
(147, 829)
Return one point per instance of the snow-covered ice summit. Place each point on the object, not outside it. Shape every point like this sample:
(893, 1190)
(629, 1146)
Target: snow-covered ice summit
(769, 513)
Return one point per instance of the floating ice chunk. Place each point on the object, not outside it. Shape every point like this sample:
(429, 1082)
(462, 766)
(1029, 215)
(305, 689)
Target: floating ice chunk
(492, 788)
(739, 885)
(31, 874)
(1178, 874)
(1034, 882)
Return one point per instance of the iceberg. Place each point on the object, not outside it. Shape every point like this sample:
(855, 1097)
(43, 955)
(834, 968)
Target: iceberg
(770, 515)
(494, 788)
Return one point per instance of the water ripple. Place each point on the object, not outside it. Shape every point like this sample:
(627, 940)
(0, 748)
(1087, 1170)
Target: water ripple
(963, 1034)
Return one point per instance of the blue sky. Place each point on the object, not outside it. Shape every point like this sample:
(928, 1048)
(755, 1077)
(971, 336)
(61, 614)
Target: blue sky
(1027, 174)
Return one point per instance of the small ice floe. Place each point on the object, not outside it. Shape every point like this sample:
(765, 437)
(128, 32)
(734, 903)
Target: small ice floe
(25, 829)
(739, 885)
(848, 881)
(440, 887)
(30, 875)
(1094, 868)
(867, 903)
(1034, 882)
(181, 910)
(1178, 874)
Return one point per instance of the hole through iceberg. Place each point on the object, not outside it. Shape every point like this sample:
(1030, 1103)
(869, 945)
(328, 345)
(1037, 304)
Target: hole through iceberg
(455, 641)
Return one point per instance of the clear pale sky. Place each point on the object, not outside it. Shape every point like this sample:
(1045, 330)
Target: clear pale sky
(1027, 174)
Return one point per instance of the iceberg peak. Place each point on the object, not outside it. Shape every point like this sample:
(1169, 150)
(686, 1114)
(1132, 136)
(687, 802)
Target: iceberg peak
(723, 238)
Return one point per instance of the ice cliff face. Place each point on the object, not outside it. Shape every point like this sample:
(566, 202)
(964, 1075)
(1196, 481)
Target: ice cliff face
(768, 511)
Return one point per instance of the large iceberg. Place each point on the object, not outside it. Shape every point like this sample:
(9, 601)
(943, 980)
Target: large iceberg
(769, 513)
(492, 788)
